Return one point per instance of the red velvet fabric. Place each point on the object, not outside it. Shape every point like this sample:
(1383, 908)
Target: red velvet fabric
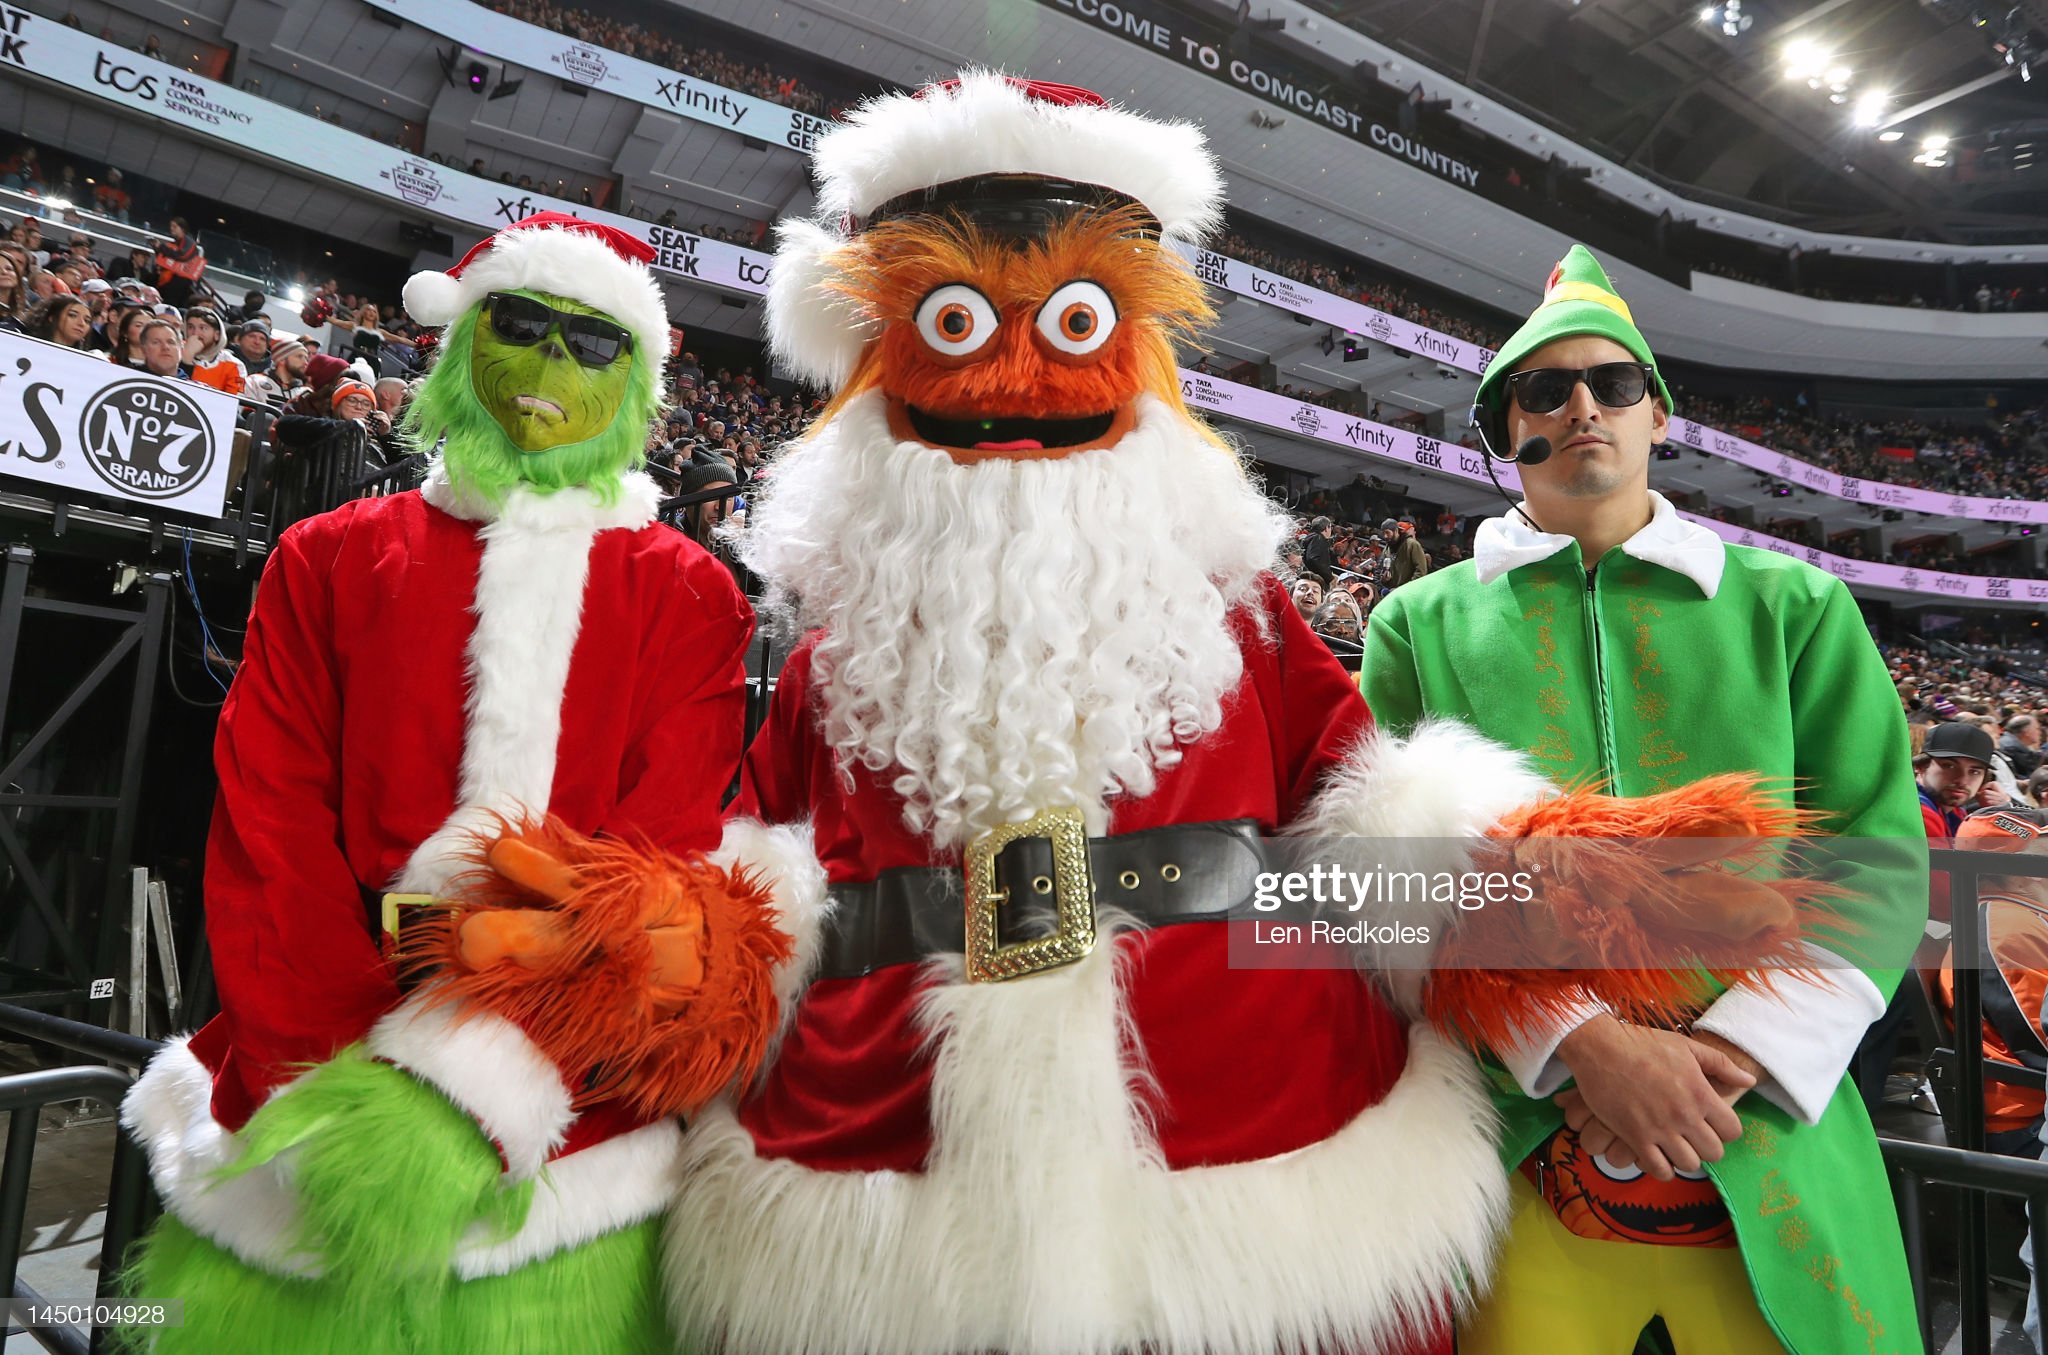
(1246, 1064)
(340, 747)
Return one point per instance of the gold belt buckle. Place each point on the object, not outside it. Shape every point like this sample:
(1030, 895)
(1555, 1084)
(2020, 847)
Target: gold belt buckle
(1073, 898)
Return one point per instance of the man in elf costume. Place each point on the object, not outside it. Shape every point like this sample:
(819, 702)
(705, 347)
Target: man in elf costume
(1015, 775)
(474, 1164)
(1622, 646)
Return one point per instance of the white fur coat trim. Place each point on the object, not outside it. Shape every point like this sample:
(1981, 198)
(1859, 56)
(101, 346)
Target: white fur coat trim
(582, 1197)
(1444, 781)
(255, 1215)
(1046, 1223)
(487, 1066)
(639, 498)
(1415, 804)
(896, 143)
(578, 1198)
(529, 610)
(813, 330)
(787, 863)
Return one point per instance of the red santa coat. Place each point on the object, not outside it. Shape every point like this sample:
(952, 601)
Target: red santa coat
(412, 664)
(1145, 1149)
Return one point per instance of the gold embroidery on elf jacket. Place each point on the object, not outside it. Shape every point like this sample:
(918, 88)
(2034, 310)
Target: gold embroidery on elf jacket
(1552, 697)
(1795, 1234)
(1658, 753)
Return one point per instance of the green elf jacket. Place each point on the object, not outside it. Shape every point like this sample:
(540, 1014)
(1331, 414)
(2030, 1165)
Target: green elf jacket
(1679, 657)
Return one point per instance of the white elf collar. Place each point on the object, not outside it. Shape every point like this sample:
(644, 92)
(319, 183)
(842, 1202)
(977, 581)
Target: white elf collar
(1507, 543)
(563, 509)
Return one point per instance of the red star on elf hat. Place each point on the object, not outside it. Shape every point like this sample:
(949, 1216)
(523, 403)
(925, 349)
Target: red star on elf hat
(1009, 154)
(586, 261)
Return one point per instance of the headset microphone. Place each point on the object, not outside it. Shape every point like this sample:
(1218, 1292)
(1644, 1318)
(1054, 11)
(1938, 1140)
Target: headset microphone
(1533, 452)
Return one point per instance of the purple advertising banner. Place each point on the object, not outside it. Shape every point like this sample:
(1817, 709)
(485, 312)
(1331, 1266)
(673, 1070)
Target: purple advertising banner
(1264, 409)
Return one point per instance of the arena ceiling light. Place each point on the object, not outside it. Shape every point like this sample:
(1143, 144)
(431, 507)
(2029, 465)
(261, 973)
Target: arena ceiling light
(1870, 109)
(1805, 59)
(1728, 16)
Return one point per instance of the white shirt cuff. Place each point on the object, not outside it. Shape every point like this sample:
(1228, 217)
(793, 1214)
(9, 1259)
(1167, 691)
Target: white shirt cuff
(1803, 1029)
(1532, 1057)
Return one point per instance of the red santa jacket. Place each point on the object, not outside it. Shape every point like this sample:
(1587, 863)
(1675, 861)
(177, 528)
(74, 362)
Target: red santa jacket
(343, 743)
(412, 664)
(1146, 1148)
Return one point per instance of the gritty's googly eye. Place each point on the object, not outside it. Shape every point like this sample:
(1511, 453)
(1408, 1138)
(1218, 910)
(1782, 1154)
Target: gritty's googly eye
(956, 320)
(1614, 1173)
(1078, 318)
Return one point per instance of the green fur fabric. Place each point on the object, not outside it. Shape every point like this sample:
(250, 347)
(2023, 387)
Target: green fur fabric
(390, 1176)
(599, 1299)
(479, 456)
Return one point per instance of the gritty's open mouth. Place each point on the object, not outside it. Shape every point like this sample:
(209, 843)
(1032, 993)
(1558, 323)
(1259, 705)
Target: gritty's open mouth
(1008, 434)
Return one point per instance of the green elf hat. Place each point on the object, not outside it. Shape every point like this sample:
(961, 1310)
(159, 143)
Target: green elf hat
(1578, 299)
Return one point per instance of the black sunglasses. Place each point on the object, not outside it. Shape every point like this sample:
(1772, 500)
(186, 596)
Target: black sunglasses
(1617, 385)
(523, 321)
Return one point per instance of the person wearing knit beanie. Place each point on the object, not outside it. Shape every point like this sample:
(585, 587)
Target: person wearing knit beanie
(355, 390)
(1704, 1167)
(323, 369)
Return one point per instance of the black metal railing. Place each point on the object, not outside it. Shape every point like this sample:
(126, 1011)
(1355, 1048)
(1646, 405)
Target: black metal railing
(130, 1204)
(1965, 1066)
(1974, 1176)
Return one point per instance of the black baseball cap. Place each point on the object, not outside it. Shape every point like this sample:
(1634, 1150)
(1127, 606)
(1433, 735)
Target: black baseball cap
(1958, 739)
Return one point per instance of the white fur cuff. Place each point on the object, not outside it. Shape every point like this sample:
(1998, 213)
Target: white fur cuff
(488, 1067)
(782, 855)
(1444, 780)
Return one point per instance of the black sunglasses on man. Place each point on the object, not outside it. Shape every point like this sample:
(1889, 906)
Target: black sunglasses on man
(1617, 385)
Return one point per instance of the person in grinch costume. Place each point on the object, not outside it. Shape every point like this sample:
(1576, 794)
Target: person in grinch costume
(510, 693)
(1721, 1175)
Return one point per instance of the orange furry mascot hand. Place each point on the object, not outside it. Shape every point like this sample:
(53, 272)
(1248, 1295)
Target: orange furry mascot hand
(645, 977)
(1642, 904)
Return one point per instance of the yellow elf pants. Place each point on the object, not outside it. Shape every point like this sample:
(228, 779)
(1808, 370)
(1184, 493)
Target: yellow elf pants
(1556, 1293)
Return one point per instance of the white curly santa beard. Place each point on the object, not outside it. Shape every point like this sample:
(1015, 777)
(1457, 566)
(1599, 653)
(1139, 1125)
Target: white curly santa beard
(1009, 636)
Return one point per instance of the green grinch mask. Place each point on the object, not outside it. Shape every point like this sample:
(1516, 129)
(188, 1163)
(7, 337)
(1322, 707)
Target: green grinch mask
(507, 415)
(538, 392)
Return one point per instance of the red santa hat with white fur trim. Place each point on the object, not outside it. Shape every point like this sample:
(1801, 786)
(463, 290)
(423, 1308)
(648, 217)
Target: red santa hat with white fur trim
(566, 256)
(965, 144)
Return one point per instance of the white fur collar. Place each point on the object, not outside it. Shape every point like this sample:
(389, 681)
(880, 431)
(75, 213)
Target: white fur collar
(1507, 543)
(564, 508)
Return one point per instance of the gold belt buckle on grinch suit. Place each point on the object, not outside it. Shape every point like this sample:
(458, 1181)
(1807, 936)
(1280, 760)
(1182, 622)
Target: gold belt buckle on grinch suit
(988, 960)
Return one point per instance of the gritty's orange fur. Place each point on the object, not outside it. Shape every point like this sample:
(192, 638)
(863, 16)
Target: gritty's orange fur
(590, 1003)
(1624, 886)
(889, 270)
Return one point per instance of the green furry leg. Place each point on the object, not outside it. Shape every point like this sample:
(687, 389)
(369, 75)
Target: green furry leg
(598, 1299)
(232, 1308)
(604, 1298)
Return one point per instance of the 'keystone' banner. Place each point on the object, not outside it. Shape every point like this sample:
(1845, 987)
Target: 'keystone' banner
(75, 420)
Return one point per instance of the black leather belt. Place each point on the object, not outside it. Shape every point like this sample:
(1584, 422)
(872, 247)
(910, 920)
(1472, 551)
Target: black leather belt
(1157, 877)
